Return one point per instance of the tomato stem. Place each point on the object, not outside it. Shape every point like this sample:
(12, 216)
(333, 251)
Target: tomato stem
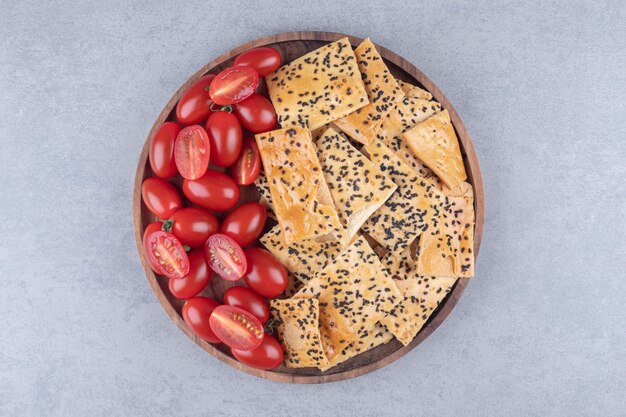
(227, 108)
(187, 248)
(167, 225)
(208, 88)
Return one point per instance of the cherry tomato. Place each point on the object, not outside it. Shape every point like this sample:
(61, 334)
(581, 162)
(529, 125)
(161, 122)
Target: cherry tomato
(265, 274)
(224, 133)
(250, 301)
(236, 328)
(214, 191)
(256, 113)
(193, 226)
(166, 251)
(152, 227)
(268, 355)
(161, 197)
(196, 313)
(248, 166)
(245, 223)
(192, 152)
(162, 150)
(198, 277)
(234, 84)
(264, 60)
(225, 257)
(195, 104)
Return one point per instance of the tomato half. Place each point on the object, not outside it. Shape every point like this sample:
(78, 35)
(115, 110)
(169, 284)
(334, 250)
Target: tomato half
(193, 226)
(192, 152)
(224, 133)
(166, 251)
(196, 313)
(248, 166)
(234, 84)
(245, 223)
(161, 197)
(250, 301)
(237, 328)
(265, 274)
(256, 113)
(264, 60)
(268, 355)
(195, 104)
(198, 277)
(225, 257)
(161, 153)
(214, 191)
(152, 227)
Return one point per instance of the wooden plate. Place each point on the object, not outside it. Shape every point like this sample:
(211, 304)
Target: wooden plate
(293, 45)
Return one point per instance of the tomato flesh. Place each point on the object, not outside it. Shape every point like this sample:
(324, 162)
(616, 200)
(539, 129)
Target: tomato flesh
(236, 328)
(245, 223)
(160, 197)
(214, 191)
(234, 84)
(268, 355)
(196, 313)
(193, 226)
(256, 113)
(250, 301)
(195, 104)
(152, 227)
(224, 132)
(161, 152)
(248, 166)
(192, 152)
(264, 273)
(194, 282)
(166, 251)
(264, 60)
(225, 257)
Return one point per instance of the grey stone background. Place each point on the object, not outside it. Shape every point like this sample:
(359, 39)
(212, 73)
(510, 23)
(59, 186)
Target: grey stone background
(540, 330)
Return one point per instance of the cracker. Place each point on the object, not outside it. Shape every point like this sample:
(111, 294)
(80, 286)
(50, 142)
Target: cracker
(414, 91)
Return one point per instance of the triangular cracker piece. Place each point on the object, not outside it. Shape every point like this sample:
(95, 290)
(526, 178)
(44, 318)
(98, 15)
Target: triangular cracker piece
(383, 92)
(435, 143)
(318, 87)
(297, 323)
(414, 91)
(357, 186)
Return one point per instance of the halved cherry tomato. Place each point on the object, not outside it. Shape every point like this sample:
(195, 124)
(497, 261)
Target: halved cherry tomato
(225, 257)
(265, 274)
(166, 251)
(195, 104)
(245, 223)
(196, 313)
(161, 197)
(248, 166)
(198, 277)
(192, 152)
(224, 133)
(162, 150)
(152, 227)
(256, 113)
(193, 226)
(268, 355)
(214, 191)
(250, 301)
(236, 328)
(234, 84)
(264, 60)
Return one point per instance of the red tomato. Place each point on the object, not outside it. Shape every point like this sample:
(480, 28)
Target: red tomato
(152, 227)
(256, 113)
(250, 301)
(234, 84)
(224, 133)
(268, 355)
(160, 197)
(214, 191)
(245, 223)
(196, 313)
(195, 104)
(248, 166)
(193, 226)
(236, 328)
(198, 277)
(264, 60)
(265, 274)
(166, 251)
(162, 150)
(225, 257)
(192, 152)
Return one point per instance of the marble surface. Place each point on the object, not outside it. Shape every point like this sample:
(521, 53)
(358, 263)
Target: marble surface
(540, 330)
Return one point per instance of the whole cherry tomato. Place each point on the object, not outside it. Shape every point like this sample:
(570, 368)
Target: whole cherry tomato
(196, 313)
(234, 84)
(265, 274)
(236, 328)
(152, 227)
(165, 251)
(161, 153)
(161, 197)
(193, 226)
(194, 282)
(264, 60)
(250, 301)
(225, 257)
(224, 133)
(195, 104)
(248, 166)
(192, 152)
(256, 113)
(245, 223)
(214, 191)
(268, 355)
